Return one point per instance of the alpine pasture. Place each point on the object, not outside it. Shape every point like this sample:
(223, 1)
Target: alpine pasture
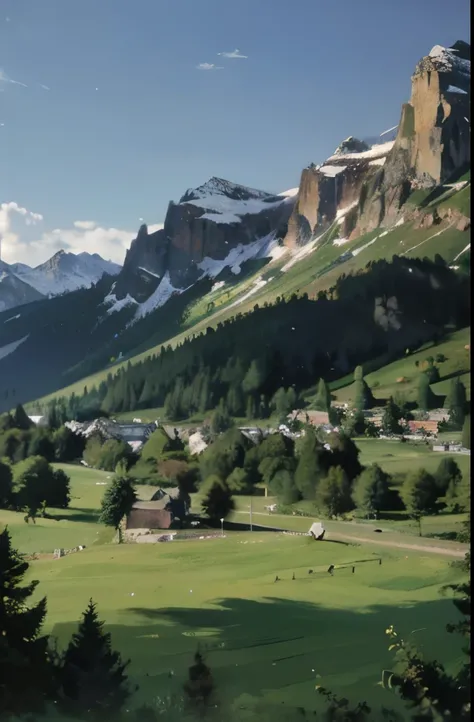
(272, 639)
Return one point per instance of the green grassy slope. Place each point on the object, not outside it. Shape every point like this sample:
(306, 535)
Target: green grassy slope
(313, 272)
(275, 641)
(383, 381)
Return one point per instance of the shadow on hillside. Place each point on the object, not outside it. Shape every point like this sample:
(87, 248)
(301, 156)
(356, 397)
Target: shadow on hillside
(268, 646)
(87, 516)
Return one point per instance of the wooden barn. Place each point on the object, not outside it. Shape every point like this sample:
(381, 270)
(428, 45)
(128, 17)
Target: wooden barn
(158, 513)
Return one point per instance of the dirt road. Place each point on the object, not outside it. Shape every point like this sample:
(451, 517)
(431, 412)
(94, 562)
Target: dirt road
(358, 533)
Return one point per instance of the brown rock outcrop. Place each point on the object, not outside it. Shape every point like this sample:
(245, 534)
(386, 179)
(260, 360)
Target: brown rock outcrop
(433, 139)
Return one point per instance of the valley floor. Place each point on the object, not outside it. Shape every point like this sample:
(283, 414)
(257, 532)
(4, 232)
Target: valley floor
(267, 640)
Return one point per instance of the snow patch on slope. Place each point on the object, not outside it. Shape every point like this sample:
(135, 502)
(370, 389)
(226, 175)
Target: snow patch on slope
(116, 304)
(158, 298)
(377, 151)
(222, 209)
(9, 348)
(258, 249)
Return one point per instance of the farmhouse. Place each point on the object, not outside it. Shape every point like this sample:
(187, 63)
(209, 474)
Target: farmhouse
(429, 426)
(159, 512)
(315, 418)
(134, 433)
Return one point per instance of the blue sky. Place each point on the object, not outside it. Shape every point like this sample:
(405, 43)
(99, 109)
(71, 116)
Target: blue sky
(316, 72)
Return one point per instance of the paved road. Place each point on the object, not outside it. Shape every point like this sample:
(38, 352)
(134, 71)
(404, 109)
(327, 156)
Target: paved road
(358, 533)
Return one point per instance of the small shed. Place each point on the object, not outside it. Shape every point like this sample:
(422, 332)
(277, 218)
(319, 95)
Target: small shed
(317, 530)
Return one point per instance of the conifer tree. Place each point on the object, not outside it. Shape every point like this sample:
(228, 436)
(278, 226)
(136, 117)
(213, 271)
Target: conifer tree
(93, 675)
(363, 398)
(26, 673)
(456, 403)
(117, 501)
(21, 419)
(466, 433)
(426, 398)
(199, 687)
(322, 401)
(6, 483)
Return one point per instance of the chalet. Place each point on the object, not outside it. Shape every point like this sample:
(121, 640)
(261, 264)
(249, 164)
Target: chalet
(429, 426)
(134, 434)
(310, 416)
(159, 512)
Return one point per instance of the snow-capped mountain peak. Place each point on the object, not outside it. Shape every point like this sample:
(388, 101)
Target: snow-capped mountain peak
(66, 272)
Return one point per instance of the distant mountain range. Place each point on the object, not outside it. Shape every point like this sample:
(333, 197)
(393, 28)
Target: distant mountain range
(62, 273)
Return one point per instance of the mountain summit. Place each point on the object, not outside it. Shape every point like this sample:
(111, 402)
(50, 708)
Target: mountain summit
(63, 272)
(66, 272)
(218, 224)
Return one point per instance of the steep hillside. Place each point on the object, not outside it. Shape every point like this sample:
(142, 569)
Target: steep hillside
(14, 291)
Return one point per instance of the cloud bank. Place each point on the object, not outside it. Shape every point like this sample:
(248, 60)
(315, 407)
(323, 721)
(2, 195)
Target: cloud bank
(24, 237)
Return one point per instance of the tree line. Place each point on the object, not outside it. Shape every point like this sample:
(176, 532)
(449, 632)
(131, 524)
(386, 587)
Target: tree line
(251, 360)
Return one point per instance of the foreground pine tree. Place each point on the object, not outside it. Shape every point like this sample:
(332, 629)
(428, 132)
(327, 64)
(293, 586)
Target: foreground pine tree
(94, 682)
(199, 687)
(26, 672)
(117, 501)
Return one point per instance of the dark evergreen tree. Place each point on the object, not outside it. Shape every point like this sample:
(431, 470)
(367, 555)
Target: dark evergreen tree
(199, 687)
(333, 495)
(426, 398)
(466, 432)
(391, 418)
(6, 484)
(117, 501)
(322, 400)
(448, 477)
(371, 492)
(21, 419)
(217, 503)
(313, 463)
(363, 398)
(456, 403)
(419, 494)
(93, 675)
(26, 671)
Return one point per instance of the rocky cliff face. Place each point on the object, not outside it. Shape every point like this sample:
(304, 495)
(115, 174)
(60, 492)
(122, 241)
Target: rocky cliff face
(366, 186)
(204, 227)
(332, 190)
(433, 140)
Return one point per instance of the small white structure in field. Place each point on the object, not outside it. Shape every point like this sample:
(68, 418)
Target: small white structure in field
(58, 553)
(317, 531)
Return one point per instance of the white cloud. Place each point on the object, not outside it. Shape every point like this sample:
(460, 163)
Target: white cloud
(85, 225)
(25, 239)
(233, 54)
(45, 87)
(155, 227)
(5, 79)
(208, 66)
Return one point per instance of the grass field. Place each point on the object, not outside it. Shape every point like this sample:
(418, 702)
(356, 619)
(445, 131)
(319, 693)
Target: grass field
(395, 457)
(270, 641)
(263, 639)
(383, 381)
